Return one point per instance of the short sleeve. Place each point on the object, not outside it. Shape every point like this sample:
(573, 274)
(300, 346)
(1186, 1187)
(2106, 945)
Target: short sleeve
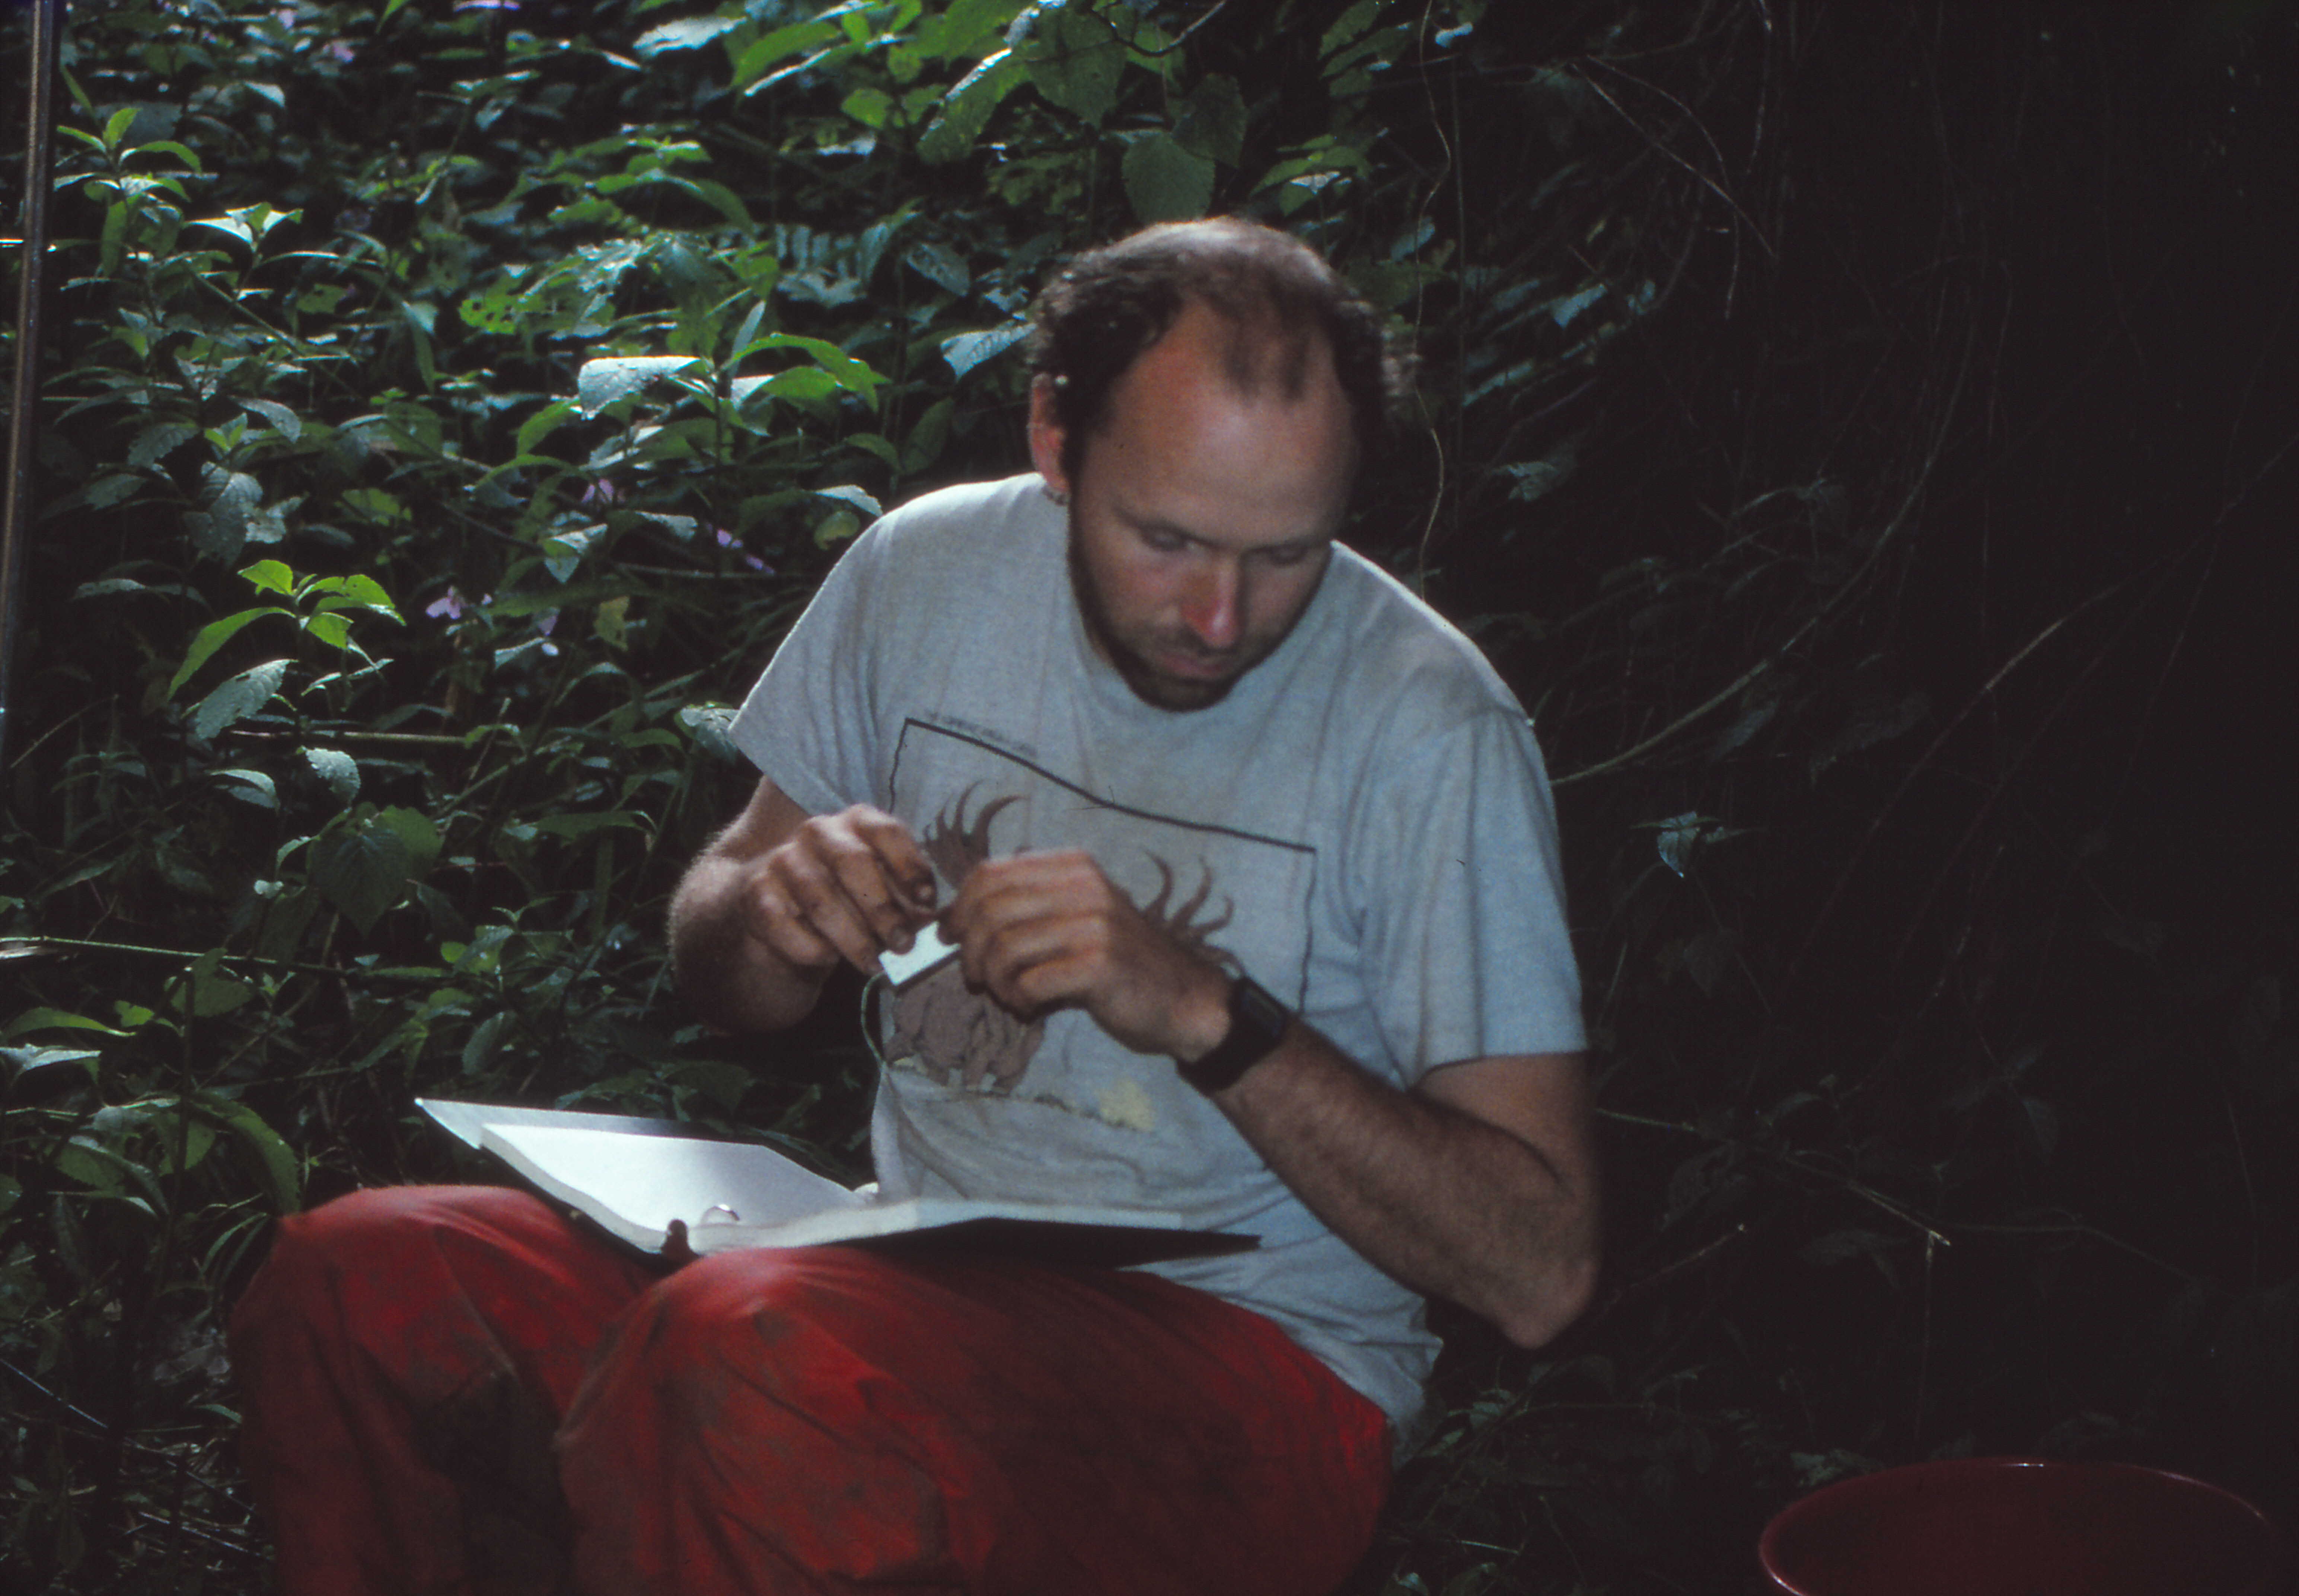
(1454, 859)
(809, 723)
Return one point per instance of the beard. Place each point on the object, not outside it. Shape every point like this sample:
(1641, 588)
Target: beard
(1158, 689)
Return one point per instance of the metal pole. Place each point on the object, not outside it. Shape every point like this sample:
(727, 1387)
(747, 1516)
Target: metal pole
(23, 411)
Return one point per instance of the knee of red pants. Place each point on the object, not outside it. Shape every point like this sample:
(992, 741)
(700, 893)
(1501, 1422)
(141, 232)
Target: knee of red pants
(738, 1434)
(817, 1421)
(420, 1274)
(404, 1357)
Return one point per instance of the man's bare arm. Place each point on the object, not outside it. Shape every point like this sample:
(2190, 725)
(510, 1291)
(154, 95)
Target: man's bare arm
(773, 903)
(1481, 1185)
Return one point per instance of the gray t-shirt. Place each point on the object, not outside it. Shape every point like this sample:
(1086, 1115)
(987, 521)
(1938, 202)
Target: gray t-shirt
(1362, 826)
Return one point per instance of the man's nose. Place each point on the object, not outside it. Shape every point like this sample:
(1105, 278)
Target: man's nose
(1212, 608)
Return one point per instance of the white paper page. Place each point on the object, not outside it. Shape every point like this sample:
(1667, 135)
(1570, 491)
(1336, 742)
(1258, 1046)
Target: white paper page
(647, 1181)
(467, 1122)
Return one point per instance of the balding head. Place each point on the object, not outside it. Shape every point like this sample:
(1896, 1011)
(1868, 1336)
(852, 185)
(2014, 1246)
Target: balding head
(1279, 306)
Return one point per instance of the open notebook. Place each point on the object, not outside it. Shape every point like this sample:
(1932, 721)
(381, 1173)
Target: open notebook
(652, 1181)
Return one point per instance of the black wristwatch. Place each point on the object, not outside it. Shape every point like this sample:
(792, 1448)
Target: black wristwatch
(1257, 1024)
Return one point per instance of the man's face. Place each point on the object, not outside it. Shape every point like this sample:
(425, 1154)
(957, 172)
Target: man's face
(1200, 520)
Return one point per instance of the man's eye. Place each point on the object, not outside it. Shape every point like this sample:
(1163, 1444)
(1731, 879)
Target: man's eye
(1163, 541)
(1288, 554)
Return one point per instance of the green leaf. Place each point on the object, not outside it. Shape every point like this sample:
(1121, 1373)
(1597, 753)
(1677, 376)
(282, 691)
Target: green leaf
(1075, 60)
(353, 592)
(213, 993)
(1212, 120)
(939, 265)
(966, 350)
(235, 226)
(284, 421)
(869, 106)
(684, 35)
(279, 1162)
(213, 636)
(544, 423)
(854, 496)
(1165, 182)
(242, 696)
(611, 622)
(966, 109)
(40, 1058)
(362, 870)
(94, 1166)
(416, 831)
(750, 68)
(573, 826)
(255, 787)
(185, 1140)
(966, 26)
(158, 441)
(220, 527)
(47, 1018)
(480, 1046)
(856, 375)
(563, 551)
(337, 769)
(271, 576)
(601, 382)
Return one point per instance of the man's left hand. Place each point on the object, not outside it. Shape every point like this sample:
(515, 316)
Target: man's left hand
(1048, 930)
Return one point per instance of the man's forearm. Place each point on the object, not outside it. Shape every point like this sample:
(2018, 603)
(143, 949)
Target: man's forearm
(1442, 1199)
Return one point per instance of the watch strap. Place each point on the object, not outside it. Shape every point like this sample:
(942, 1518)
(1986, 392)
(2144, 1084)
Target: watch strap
(1257, 1024)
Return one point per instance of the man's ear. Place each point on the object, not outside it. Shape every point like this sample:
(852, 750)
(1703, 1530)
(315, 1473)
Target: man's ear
(1047, 436)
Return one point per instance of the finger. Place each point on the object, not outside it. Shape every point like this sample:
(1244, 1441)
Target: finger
(907, 871)
(1032, 962)
(1029, 886)
(808, 893)
(871, 864)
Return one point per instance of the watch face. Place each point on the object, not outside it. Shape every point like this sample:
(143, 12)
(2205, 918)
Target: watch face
(1266, 1013)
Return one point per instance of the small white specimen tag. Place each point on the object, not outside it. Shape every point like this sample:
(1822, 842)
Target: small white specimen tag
(929, 950)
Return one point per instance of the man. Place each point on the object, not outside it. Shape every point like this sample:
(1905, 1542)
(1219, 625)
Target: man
(1252, 874)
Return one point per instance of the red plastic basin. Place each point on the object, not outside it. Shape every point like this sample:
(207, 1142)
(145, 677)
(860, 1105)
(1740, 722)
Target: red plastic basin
(2023, 1526)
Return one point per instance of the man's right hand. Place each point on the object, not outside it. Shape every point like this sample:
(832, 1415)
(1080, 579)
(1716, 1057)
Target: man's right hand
(849, 885)
(775, 900)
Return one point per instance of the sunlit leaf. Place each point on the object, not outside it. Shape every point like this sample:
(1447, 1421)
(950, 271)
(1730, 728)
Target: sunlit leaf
(269, 576)
(966, 350)
(601, 382)
(337, 769)
(966, 110)
(242, 696)
(686, 34)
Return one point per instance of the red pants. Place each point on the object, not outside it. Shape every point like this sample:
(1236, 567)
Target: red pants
(452, 1390)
